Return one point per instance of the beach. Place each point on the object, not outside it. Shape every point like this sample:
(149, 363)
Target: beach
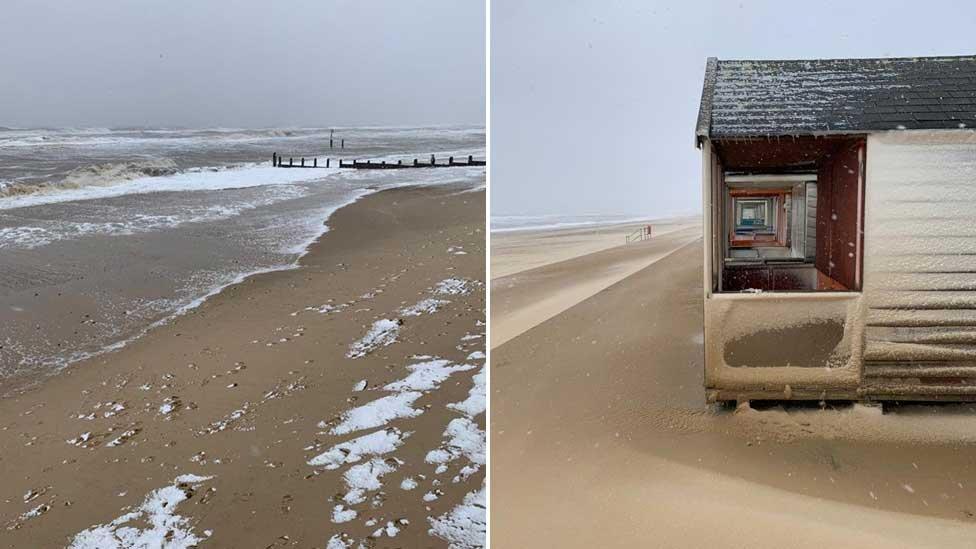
(106, 233)
(537, 274)
(335, 402)
(599, 417)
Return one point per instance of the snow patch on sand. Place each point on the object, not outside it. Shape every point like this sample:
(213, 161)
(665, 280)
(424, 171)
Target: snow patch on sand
(383, 332)
(465, 526)
(426, 306)
(154, 524)
(373, 444)
(476, 402)
(364, 478)
(341, 514)
(427, 376)
(454, 286)
(378, 412)
(464, 439)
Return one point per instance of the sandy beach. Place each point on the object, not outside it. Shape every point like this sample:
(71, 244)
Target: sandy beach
(341, 402)
(521, 250)
(529, 269)
(599, 417)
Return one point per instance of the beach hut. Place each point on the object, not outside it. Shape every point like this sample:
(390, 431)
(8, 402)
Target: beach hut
(839, 211)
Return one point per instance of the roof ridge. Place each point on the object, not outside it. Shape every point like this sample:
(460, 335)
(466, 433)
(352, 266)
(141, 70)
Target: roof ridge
(911, 58)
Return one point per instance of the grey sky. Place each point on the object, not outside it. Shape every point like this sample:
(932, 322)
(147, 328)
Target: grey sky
(241, 63)
(593, 104)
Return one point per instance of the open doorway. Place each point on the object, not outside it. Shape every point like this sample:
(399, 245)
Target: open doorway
(790, 213)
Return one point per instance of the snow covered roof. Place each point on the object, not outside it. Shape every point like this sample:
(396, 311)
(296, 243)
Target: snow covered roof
(822, 96)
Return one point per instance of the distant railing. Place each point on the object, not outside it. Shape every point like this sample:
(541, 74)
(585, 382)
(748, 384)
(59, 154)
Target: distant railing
(642, 233)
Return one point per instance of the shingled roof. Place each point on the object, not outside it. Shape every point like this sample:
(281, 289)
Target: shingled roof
(781, 98)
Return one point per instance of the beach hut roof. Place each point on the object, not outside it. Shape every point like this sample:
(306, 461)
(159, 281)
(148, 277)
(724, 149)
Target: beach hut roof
(743, 98)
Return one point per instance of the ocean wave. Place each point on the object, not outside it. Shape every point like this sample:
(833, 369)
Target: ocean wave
(193, 179)
(99, 175)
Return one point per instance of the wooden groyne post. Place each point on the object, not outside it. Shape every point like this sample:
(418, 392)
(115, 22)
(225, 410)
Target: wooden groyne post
(278, 160)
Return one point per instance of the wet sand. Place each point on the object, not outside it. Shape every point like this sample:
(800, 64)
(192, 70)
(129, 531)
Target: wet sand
(255, 383)
(599, 419)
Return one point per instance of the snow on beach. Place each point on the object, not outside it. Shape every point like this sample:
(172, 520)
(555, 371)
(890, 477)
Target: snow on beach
(153, 524)
(367, 460)
(465, 526)
(374, 444)
(382, 333)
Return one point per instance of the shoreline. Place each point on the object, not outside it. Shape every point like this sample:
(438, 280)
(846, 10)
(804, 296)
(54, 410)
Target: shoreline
(197, 396)
(18, 383)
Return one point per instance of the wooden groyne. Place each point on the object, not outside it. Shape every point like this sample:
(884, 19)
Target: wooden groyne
(301, 162)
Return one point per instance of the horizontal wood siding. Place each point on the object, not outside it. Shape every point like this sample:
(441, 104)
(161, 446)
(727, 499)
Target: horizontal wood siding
(920, 253)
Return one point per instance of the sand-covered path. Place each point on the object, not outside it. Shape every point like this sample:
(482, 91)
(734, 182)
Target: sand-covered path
(527, 298)
(600, 437)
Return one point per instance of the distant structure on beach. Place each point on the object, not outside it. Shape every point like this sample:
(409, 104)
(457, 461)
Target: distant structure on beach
(840, 243)
(279, 162)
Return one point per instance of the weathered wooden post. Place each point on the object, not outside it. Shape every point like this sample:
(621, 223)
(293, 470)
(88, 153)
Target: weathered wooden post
(450, 161)
(291, 161)
(327, 163)
(331, 132)
(303, 161)
(315, 162)
(343, 143)
(432, 161)
(470, 158)
(274, 159)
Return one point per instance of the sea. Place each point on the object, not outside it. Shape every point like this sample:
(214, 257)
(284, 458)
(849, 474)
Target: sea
(105, 233)
(511, 223)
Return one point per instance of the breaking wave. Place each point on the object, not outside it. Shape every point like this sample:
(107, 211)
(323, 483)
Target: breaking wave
(99, 175)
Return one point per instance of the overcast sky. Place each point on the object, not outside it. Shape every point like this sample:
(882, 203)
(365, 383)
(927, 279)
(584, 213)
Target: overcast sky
(593, 104)
(241, 63)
